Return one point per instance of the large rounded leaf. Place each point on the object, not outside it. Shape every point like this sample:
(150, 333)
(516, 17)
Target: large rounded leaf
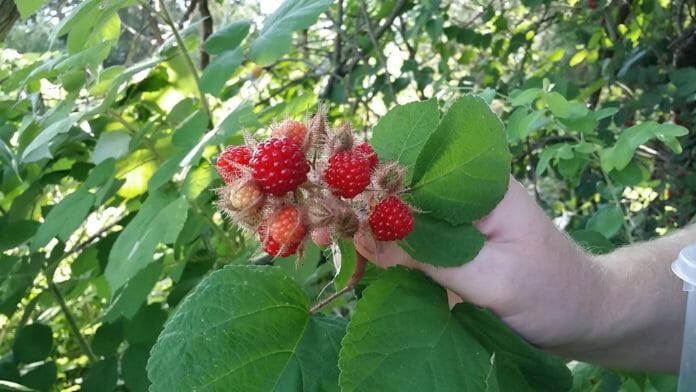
(462, 171)
(246, 329)
(403, 337)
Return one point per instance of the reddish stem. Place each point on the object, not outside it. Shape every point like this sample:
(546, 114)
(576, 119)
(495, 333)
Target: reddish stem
(355, 278)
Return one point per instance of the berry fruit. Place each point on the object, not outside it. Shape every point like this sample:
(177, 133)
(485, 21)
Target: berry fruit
(347, 174)
(229, 161)
(279, 166)
(391, 219)
(287, 226)
(246, 197)
(273, 247)
(293, 130)
(368, 153)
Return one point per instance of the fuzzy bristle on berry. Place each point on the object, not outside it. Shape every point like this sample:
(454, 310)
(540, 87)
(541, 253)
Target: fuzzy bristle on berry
(279, 166)
(273, 247)
(391, 219)
(287, 227)
(389, 177)
(293, 130)
(367, 152)
(229, 162)
(348, 174)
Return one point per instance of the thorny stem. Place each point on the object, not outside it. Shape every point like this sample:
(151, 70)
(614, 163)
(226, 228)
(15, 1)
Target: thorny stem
(357, 275)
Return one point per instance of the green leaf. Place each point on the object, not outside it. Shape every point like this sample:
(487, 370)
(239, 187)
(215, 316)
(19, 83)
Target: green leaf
(219, 70)
(592, 241)
(463, 170)
(521, 123)
(526, 97)
(111, 145)
(607, 220)
(100, 174)
(402, 132)
(13, 234)
(40, 377)
(17, 275)
(128, 299)
(146, 325)
(159, 221)
(402, 337)
(276, 36)
(64, 218)
(621, 154)
(27, 8)
(191, 130)
(133, 366)
(33, 343)
(452, 246)
(165, 172)
(685, 80)
(107, 338)
(344, 251)
(465, 349)
(558, 104)
(227, 38)
(251, 325)
(101, 376)
(39, 146)
(542, 372)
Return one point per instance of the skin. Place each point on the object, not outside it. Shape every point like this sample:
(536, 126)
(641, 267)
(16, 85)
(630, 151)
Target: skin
(623, 310)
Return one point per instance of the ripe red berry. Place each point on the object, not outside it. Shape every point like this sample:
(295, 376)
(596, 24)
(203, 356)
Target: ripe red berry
(287, 226)
(273, 247)
(592, 4)
(391, 219)
(229, 161)
(293, 130)
(367, 152)
(279, 166)
(347, 174)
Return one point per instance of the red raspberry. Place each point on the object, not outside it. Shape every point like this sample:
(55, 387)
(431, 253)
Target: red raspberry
(293, 130)
(273, 247)
(367, 152)
(348, 174)
(391, 219)
(592, 4)
(287, 226)
(279, 166)
(229, 161)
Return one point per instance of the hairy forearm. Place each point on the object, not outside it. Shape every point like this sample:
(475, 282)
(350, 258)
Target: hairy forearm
(638, 322)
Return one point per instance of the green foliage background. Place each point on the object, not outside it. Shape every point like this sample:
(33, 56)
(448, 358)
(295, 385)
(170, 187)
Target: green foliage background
(111, 114)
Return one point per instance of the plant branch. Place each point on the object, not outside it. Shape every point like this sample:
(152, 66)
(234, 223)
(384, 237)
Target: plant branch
(187, 57)
(360, 263)
(207, 28)
(378, 50)
(72, 324)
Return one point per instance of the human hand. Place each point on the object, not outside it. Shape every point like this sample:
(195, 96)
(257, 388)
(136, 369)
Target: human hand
(528, 273)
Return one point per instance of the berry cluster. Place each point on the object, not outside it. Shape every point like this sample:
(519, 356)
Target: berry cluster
(308, 177)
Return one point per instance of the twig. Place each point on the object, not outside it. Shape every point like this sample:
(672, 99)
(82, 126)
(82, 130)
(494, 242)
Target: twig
(187, 14)
(360, 263)
(207, 28)
(72, 324)
(378, 50)
(187, 57)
